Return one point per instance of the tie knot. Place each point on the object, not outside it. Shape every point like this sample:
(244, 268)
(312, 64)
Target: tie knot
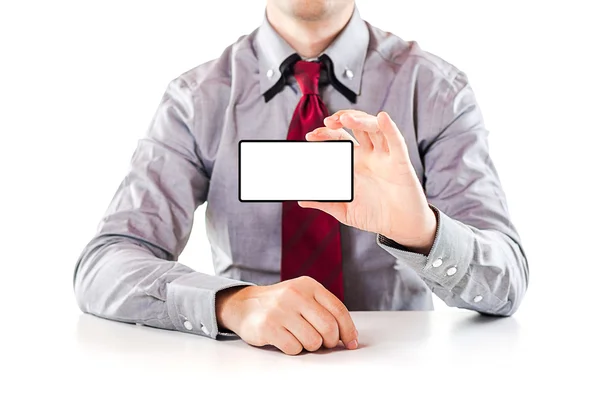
(307, 74)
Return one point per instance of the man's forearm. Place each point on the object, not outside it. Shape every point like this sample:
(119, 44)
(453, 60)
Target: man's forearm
(482, 270)
(127, 280)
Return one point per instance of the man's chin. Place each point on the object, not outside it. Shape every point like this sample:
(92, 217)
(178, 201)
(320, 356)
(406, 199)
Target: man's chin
(313, 10)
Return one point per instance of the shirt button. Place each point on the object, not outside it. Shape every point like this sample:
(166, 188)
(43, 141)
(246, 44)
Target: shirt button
(451, 271)
(349, 74)
(437, 263)
(270, 73)
(188, 325)
(204, 329)
(477, 299)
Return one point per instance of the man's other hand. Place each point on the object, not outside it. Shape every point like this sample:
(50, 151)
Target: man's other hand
(292, 315)
(388, 197)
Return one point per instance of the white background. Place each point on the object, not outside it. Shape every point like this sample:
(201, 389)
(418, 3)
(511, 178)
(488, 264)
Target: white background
(273, 171)
(80, 81)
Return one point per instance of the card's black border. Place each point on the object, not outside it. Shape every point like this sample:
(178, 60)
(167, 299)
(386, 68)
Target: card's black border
(297, 141)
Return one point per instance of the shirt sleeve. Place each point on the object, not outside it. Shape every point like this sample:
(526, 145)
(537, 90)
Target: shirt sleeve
(476, 261)
(129, 270)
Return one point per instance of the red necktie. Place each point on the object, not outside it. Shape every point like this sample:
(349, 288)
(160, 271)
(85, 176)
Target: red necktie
(310, 238)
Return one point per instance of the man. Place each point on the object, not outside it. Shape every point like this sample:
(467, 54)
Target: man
(428, 215)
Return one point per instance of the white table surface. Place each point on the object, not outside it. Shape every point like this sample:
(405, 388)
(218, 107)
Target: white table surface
(453, 354)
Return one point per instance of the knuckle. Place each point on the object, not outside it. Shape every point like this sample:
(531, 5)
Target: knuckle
(309, 282)
(280, 298)
(341, 136)
(339, 309)
(330, 328)
(292, 290)
(291, 348)
(291, 293)
(331, 343)
(314, 343)
(285, 298)
(305, 279)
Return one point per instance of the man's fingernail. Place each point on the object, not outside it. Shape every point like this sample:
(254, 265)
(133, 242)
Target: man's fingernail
(353, 345)
(334, 117)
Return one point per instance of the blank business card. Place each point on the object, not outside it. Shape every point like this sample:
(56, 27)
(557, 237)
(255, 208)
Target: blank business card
(281, 170)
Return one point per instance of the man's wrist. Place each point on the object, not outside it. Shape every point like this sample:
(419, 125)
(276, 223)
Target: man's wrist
(225, 307)
(424, 240)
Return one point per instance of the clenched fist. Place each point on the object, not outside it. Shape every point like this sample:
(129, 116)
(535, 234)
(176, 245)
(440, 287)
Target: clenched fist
(292, 315)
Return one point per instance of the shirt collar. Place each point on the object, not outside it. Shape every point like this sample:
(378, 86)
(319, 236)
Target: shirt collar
(348, 52)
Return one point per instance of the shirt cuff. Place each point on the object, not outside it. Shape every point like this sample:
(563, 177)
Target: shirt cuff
(191, 302)
(449, 258)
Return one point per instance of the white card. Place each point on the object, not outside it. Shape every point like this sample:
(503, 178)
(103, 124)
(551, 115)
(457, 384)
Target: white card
(281, 170)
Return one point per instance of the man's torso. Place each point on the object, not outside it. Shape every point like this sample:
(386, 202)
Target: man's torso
(398, 77)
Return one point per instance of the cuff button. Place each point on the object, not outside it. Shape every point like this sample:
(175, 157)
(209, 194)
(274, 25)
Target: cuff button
(204, 330)
(188, 325)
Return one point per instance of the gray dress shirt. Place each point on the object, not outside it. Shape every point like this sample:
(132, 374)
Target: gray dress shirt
(129, 271)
